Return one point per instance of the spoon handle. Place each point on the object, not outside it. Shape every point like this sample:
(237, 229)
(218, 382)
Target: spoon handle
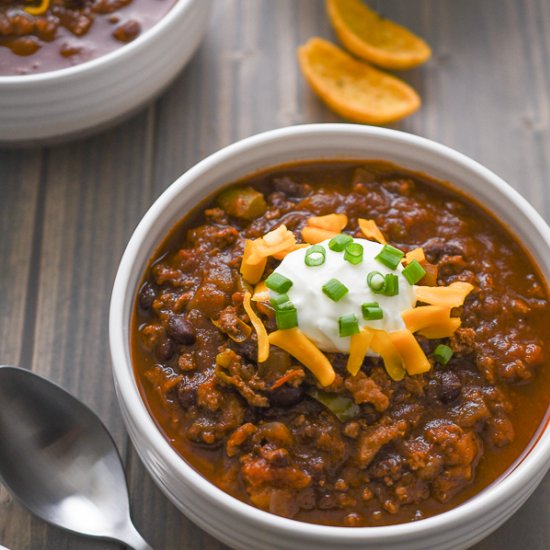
(129, 536)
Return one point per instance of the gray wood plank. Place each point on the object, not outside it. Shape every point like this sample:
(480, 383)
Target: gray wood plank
(20, 195)
(97, 190)
(93, 193)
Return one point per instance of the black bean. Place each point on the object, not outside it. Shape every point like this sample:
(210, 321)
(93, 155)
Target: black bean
(165, 349)
(327, 501)
(187, 395)
(247, 349)
(181, 330)
(306, 498)
(449, 388)
(437, 247)
(369, 414)
(147, 295)
(286, 396)
(290, 187)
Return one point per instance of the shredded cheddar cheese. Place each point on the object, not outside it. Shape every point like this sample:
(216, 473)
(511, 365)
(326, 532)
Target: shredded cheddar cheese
(441, 330)
(263, 340)
(261, 293)
(256, 252)
(423, 317)
(271, 243)
(413, 357)
(321, 228)
(448, 296)
(296, 343)
(416, 254)
(359, 345)
(330, 222)
(314, 235)
(383, 346)
(283, 253)
(251, 272)
(371, 230)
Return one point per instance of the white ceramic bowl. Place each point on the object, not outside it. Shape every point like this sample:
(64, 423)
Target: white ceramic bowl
(240, 525)
(72, 101)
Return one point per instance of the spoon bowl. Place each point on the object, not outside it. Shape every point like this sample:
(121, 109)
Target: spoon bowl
(58, 459)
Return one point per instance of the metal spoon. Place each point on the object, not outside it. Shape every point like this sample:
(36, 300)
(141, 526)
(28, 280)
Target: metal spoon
(58, 459)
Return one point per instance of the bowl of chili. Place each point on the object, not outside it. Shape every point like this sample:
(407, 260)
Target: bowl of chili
(67, 68)
(466, 411)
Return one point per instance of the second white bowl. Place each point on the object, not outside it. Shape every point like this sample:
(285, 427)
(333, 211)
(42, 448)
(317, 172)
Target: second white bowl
(67, 102)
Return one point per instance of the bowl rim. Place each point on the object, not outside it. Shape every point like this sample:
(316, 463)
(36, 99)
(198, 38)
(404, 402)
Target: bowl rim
(179, 7)
(535, 461)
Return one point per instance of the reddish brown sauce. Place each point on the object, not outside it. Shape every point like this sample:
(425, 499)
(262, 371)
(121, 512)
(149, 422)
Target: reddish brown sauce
(70, 32)
(417, 447)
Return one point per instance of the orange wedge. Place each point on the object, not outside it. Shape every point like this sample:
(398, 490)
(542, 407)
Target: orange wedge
(374, 38)
(353, 89)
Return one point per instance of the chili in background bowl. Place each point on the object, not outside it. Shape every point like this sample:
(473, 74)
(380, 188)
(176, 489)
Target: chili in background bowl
(70, 102)
(230, 520)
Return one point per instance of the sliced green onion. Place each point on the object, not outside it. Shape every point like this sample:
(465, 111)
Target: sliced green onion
(353, 253)
(341, 407)
(339, 242)
(442, 354)
(389, 256)
(315, 255)
(372, 311)
(286, 318)
(277, 282)
(284, 305)
(348, 325)
(278, 300)
(414, 272)
(376, 281)
(391, 285)
(335, 290)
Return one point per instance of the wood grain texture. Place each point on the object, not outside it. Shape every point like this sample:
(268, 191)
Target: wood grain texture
(20, 180)
(67, 212)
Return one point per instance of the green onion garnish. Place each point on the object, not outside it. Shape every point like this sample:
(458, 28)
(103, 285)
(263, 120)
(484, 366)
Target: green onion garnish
(414, 272)
(372, 311)
(442, 354)
(391, 285)
(376, 281)
(279, 300)
(335, 290)
(279, 283)
(339, 242)
(389, 256)
(353, 253)
(315, 255)
(285, 305)
(286, 318)
(348, 325)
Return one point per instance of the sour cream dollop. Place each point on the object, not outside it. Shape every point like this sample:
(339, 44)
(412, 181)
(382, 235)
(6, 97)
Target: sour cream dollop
(318, 315)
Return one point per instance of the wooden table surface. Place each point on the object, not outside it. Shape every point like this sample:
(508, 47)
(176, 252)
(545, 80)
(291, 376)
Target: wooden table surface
(67, 212)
